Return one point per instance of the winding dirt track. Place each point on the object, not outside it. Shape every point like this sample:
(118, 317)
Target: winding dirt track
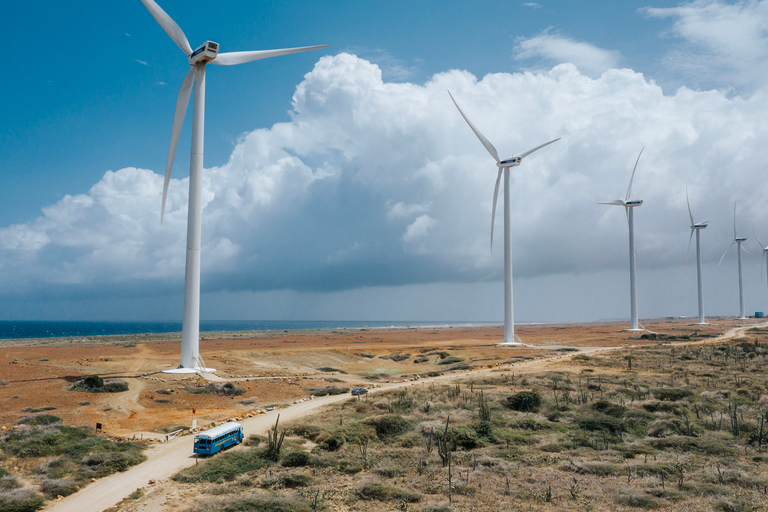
(164, 460)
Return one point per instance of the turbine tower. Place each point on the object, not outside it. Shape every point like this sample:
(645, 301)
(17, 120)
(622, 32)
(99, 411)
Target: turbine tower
(503, 166)
(629, 206)
(207, 53)
(697, 228)
(738, 241)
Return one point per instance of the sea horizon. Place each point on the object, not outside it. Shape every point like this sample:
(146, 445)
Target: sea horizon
(34, 329)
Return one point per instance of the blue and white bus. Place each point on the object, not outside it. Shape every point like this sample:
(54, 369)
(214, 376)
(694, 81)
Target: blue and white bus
(218, 438)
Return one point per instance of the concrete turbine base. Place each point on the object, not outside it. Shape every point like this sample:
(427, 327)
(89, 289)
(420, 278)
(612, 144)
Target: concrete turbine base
(190, 370)
(635, 330)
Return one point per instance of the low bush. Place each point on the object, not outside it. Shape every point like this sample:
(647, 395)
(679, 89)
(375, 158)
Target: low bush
(21, 500)
(295, 458)
(287, 480)
(390, 426)
(671, 394)
(421, 359)
(600, 422)
(380, 492)
(254, 503)
(223, 468)
(226, 389)
(451, 360)
(328, 369)
(95, 384)
(328, 390)
(524, 401)
(8, 483)
(399, 357)
(61, 487)
(39, 419)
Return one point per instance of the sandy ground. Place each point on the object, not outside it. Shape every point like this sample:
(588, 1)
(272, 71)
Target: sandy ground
(274, 368)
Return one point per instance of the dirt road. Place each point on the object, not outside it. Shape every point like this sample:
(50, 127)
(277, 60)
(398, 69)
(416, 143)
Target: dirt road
(164, 460)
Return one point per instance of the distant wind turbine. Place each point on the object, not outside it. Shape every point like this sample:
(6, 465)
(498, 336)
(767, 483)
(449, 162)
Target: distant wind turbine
(208, 52)
(503, 165)
(738, 241)
(765, 256)
(697, 228)
(629, 205)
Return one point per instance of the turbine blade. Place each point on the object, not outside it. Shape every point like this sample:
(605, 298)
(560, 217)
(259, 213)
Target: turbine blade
(758, 240)
(182, 101)
(233, 58)
(483, 140)
(629, 189)
(761, 266)
(493, 210)
(526, 153)
(171, 27)
(690, 239)
(617, 202)
(726, 252)
(689, 210)
(734, 217)
(745, 249)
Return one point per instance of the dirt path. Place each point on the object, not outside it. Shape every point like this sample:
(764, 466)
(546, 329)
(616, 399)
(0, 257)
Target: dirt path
(164, 460)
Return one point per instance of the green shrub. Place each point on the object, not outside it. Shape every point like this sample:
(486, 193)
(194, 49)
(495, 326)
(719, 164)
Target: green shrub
(295, 458)
(421, 359)
(601, 423)
(671, 394)
(93, 382)
(223, 468)
(287, 480)
(254, 503)
(7, 482)
(390, 426)
(39, 419)
(399, 357)
(639, 500)
(328, 390)
(450, 360)
(709, 445)
(227, 389)
(328, 369)
(33, 410)
(63, 487)
(524, 401)
(465, 437)
(21, 500)
(115, 386)
(380, 492)
(609, 408)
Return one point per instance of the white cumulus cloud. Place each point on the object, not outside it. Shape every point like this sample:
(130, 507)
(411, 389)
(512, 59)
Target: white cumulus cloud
(377, 183)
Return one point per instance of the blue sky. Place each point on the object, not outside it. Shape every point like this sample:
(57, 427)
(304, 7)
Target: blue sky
(343, 183)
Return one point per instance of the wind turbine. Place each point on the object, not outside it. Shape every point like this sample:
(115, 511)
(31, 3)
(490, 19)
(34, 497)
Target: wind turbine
(206, 53)
(738, 241)
(629, 205)
(765, 255)
(503, 165)
(697, 228)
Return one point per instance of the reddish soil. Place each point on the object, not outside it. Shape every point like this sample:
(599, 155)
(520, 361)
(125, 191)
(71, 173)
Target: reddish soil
(273, 368)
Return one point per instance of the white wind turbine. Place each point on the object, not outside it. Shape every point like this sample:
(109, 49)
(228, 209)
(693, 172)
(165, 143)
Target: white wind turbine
(629, 205)
(207, 53)
(738, 241)
(697, 228)
(503, 165)
(765, 255)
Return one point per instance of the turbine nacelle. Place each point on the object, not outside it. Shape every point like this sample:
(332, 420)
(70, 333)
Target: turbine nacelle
(636, 202)
(204, 54)
(700, 226)
(510, 162)
(741, 239)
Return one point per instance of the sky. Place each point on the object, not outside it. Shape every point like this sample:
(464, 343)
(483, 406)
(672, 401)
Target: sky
(343, 184)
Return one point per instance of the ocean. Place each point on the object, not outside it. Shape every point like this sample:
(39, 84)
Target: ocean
(43, 329)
